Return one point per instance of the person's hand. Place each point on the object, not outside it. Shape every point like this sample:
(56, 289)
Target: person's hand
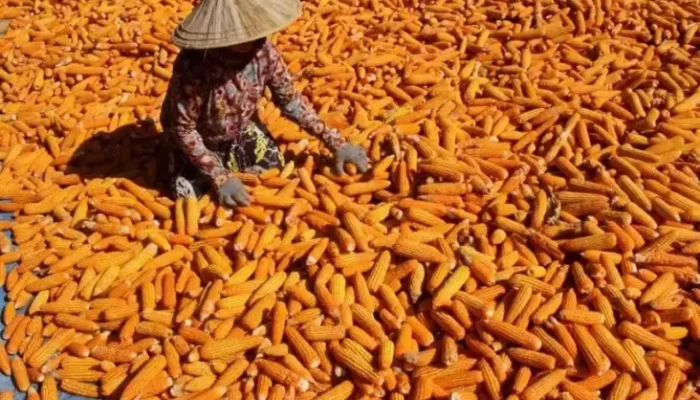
(232, 193)
(350, 153)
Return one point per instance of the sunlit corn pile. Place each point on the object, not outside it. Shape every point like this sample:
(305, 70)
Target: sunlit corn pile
(527, 229)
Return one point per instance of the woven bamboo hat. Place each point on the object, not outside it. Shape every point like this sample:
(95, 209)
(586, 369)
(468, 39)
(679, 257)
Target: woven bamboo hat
(221, 23)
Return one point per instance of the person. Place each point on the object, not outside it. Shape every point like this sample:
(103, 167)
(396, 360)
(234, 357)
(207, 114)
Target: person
(209, 114)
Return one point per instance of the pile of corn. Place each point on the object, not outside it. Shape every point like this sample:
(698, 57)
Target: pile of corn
(528, 229)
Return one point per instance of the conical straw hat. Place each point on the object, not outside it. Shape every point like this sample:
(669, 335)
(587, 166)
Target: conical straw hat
(221, 23)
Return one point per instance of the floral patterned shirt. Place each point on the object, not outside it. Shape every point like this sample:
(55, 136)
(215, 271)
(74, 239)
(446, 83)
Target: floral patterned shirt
(213, 96)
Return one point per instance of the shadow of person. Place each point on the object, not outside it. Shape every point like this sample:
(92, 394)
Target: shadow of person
(133, 151)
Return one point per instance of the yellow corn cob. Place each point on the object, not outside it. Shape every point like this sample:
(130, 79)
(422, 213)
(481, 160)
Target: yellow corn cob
(612, 348)
(223, 348)
(194, 335)
(340, 391)
(271, 285)
(324, 333)
(641, 216)
(519, 280)
(645, 338)
(660, 286)
(581, 317)
(532, 359)
(71, 259)
(280, 374)
(455, 189)
(77, 323)
(80, 375)
(513, 334)
(392, 302)
(153, 329)
(317, 251)
(621, 387)
(594, 242)
(541, 387)
(547, 309)
(46, 283)
(660, 258)
(518, 304)
(458, 375)
(635, 193)
(232, 373)
(191, 216)
(451, 286)
(669, 383)
(139, 260)
(19, 375)
(366, 321)
(355, 227)
(49, 388)
(642, 369)
(306, 352)
(80, 388)
(143, 377)
(56, 342)
(521, 379)
(512, 226)
(577, 390)
(552, 346)
(423, 217)
(415, 250)
(592, 354)
(359, 188)
(355, 363)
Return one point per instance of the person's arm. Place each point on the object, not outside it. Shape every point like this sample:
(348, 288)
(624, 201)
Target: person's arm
(185, 110)
(293, 105)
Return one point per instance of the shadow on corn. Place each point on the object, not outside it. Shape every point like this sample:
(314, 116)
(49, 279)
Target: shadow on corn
(131, 151)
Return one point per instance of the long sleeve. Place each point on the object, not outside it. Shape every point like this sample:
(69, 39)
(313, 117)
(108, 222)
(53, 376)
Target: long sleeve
(294, 106)
(185, 109)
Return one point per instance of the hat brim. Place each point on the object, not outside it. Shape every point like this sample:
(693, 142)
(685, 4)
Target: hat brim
(210, 40)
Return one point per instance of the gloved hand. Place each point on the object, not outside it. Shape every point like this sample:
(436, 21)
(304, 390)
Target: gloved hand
(232, 193)
(350, 153)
